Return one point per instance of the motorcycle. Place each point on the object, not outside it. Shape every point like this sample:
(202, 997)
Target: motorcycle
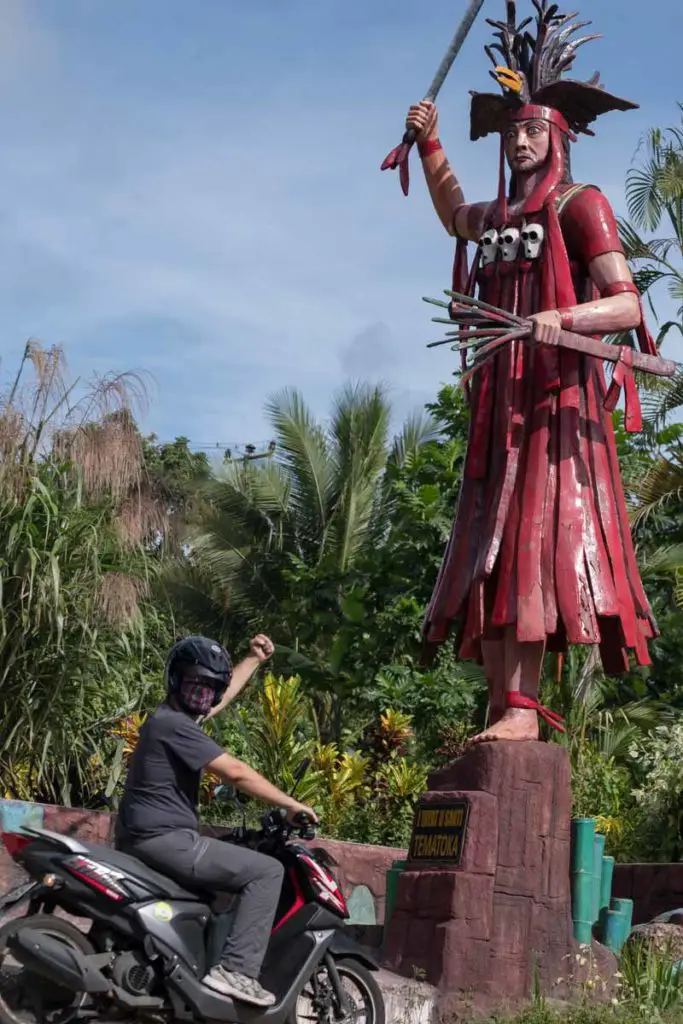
(149, 941)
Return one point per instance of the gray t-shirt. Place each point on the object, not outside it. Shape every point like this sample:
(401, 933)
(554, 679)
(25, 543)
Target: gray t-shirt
(162, 789)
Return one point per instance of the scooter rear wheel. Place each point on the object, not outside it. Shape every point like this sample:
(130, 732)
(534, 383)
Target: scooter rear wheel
(362, 991)
(25, 997)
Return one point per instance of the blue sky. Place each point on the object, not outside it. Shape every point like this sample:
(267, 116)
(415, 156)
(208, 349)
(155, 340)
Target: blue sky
(193, 189)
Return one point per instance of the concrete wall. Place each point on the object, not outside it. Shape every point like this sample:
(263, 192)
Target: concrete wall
(654, 888)
(358, 864)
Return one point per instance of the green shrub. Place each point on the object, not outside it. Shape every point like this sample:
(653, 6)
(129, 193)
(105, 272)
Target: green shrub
(659, 798)
(624, 1013)
(366, 822)
(650, 978)
(602, 789)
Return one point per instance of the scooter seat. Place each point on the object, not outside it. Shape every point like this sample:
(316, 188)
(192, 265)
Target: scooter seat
(138, 869)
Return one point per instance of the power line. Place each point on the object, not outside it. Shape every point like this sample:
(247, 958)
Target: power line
(218, 445)
(231, 452)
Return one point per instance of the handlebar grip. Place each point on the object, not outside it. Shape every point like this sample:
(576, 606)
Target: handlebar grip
(305, 825)
(302, 820)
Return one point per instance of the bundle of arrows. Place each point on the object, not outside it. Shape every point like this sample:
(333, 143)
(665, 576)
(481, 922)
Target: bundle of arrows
(483, 329)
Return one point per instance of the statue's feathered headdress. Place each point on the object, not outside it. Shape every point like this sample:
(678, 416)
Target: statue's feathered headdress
(529, 68)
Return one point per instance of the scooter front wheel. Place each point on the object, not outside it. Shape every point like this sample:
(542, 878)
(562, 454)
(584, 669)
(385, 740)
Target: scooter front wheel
(318, 1002)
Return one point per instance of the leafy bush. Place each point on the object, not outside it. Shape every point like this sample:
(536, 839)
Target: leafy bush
(362, 795)
(77, 564)
(438, 698)
(602, 789)
(365, 823)
(659, 796)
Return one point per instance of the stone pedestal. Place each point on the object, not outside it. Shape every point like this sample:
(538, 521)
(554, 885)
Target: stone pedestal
(504, 911)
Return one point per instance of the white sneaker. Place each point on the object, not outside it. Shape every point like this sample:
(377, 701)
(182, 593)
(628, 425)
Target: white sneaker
(238, 986)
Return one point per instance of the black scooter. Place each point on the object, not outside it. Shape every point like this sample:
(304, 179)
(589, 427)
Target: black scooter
(150, 941)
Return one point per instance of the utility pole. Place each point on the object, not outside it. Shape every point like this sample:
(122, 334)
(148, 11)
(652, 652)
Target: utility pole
(250, 454)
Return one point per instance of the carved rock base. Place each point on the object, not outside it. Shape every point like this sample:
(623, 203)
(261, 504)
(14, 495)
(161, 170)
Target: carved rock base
(503, 915)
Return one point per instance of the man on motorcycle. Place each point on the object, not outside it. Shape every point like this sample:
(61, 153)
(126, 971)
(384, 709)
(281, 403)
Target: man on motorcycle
(158, 821)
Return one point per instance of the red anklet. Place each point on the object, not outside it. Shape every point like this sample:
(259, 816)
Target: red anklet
(513, 699)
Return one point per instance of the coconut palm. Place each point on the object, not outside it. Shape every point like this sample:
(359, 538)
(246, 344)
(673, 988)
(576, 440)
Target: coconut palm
(286, 545)
(654, 197)
(654, 194)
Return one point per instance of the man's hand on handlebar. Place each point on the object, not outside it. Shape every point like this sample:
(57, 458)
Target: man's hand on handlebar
(295, 809)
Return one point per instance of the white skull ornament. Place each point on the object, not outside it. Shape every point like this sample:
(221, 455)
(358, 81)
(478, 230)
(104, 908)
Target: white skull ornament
(509, 244)
(488, 244)
(532, 240)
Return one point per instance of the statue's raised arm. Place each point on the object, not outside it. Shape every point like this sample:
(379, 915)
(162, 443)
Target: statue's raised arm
(458, 218)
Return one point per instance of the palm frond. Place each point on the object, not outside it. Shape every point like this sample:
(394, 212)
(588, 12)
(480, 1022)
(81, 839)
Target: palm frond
(359, 431)
(635, 246)
(417, 431)
(665, 559)
(643, 195)
(658, 404)
(658, 181)
(660, 486)
(670, 325)
(304, 454)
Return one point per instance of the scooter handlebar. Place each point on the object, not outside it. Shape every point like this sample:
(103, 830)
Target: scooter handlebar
(305, 826)
(275, 823)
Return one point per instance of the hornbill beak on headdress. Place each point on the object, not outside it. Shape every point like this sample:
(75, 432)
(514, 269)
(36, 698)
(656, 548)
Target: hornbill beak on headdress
(508, 79)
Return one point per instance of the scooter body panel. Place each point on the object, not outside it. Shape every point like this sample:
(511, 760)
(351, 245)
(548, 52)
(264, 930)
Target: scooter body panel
(187, 991)
(182, 927)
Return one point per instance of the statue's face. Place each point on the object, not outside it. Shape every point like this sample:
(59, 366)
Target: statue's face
(526, 145)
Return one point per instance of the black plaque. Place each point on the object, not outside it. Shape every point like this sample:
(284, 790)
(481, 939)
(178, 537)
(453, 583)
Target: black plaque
(439, 832)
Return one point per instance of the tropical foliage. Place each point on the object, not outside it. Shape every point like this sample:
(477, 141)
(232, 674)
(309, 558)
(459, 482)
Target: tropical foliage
(76, 569)
(289, 542)
(654, 196)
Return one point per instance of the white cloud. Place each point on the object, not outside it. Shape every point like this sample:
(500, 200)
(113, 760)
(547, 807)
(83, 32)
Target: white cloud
(26, 47)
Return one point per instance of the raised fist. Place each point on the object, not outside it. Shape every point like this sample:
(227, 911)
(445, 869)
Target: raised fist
(261, 647)
(423, 120)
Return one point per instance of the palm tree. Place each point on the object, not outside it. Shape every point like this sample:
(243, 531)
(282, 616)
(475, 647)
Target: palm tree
(654, 194)
(654, 197)
(286, 545)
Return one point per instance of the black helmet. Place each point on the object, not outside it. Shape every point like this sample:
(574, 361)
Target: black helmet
(208, 660)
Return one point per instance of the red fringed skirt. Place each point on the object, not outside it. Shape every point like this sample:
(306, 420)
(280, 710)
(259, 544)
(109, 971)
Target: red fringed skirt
(541, 538)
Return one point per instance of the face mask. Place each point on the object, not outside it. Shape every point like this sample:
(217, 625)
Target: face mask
(197, 698)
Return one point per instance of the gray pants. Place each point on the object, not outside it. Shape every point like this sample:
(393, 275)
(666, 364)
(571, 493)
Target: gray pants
(199, 862)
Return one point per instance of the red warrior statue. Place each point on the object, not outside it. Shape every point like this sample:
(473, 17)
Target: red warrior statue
(540, 555)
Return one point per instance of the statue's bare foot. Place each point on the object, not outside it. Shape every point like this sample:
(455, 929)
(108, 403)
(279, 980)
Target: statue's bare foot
(514, 725)
(496, 713)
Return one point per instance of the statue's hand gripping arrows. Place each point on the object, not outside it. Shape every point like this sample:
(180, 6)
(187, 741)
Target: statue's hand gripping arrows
(399, 155)
(485, 328)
